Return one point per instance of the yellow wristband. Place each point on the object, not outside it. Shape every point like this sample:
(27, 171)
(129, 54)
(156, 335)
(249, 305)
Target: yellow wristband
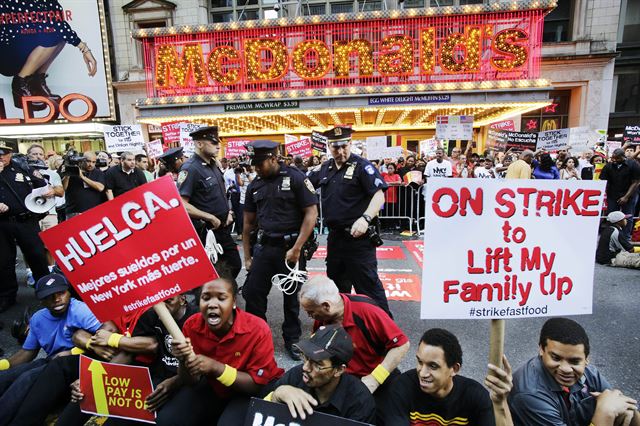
(76, 351)
(88, 345)
(114, 340)
(636, 249)
(380, 374)
(4, 364)
(228, 376)
(269, 397)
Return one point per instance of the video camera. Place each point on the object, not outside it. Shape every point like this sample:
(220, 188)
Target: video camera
(25, 163)
(72, 161)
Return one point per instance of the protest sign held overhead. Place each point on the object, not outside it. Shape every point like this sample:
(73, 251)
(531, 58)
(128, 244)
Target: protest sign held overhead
(295, 146)
(512, 269)
(154, 148)
(185, 140)
(553, 140)
(124, 138)
(503, 125)
(454, 127)
(318, 143)
(496, 139)
(235, 147)
(581, 139)
(631, 134)
(171, 134)
(115, 390)
(131, 252)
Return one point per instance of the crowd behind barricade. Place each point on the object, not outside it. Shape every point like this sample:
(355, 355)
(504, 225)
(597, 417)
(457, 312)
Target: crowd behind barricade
(349, 365)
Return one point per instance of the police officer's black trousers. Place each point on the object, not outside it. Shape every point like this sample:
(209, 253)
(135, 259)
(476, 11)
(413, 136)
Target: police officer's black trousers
(25, 235)
(268, 260)
(352, 262)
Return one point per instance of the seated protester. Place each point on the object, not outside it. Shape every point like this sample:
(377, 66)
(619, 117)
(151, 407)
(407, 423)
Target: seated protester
(613, 247)
(559, 387)
(435, 392)
(163, 368)
(228, 353)
(380, 343)
(321, 384)
(50, 329)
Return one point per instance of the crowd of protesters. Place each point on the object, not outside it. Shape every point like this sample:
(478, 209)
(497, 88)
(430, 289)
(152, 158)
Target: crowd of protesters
(350, 364)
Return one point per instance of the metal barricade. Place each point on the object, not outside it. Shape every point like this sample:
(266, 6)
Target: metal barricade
(399, 206)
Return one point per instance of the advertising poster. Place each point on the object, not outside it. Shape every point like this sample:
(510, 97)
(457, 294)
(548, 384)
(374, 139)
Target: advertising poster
(67, 72)
(132, 252)
(511, 269)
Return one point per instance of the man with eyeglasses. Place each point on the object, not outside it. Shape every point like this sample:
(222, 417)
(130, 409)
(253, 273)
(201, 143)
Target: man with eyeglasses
(320, 383)
(352, 191)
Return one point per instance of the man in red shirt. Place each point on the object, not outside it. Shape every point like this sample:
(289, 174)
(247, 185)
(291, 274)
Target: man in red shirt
(379, 344)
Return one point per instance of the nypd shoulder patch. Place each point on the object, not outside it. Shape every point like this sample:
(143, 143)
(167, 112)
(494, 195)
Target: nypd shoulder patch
(182, 176)
(369, 169)
(309, 186)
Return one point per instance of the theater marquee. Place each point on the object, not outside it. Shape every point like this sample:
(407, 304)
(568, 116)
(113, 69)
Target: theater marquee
(470, 47)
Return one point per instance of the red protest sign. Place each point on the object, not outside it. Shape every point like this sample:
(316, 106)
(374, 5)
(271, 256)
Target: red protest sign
(235, 147)
(132, 252)
(503, 125)
(301, 147)
(170, 134)
(115, 390)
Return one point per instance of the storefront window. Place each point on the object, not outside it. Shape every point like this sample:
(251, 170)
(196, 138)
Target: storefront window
(557, 24)
(627, 90)
(342, 7)
(221, 3)
(248, 14)
(412, 4)
(367, 6)
(313, 9)
(221, 17)
(551, 117)
(631, 29)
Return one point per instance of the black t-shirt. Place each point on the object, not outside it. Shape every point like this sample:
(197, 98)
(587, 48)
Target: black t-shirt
(620, 177)
(120, 182)
(80, 197)
(351, 399)
(164, 365)
(467, 403)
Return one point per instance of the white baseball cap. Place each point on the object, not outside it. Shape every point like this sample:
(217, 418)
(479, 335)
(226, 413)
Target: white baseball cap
(615, 217)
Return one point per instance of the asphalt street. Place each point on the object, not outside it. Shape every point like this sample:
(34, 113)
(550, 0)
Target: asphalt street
(613, 327)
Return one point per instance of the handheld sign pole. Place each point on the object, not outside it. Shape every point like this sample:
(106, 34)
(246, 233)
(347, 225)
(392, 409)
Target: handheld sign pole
(496, 342)
(169, 322)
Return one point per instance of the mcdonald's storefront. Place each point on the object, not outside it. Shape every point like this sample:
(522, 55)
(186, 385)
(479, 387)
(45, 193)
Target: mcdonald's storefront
(385, 73)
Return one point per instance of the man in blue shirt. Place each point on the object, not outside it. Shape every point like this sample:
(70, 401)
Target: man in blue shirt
(559, 387)
(50, 329)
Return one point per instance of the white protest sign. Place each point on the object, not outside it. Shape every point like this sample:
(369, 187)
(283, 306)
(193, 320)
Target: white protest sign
(124, 138)
(612, 146)
(582, 139)
(553, 140)
(428, 147)
(454, 127)
(512, 269)
(392, 152)
(375, 144)
(185, 140)
(154, 148)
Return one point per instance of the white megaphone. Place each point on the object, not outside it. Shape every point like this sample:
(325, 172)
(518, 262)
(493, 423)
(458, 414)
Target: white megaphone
(38, 203)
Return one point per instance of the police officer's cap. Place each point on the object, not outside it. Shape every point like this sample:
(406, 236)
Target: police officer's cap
(260, 150)
(5, 149)
(338, 136)
(207, 133)
(171, 155)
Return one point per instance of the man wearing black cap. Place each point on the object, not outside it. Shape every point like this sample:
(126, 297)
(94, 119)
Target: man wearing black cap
(50, 329)
(283, 202)
(352, 195)
(321, 384)
(18, 225)
(171, 160)
(201, 186)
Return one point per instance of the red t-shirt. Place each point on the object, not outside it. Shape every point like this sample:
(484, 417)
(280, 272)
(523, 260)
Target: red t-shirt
(382, 330)
(391, 194)
(248, 347)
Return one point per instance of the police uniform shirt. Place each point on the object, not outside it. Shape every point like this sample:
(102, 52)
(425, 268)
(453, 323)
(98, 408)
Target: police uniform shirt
(346, 192)
(203, 184)
(278, 201)
(22, 182)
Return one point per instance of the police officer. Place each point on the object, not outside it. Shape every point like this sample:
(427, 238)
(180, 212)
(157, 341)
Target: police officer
(202, 189)
(282, 202)
(171, 161)
(352, 195)
(18, 226)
